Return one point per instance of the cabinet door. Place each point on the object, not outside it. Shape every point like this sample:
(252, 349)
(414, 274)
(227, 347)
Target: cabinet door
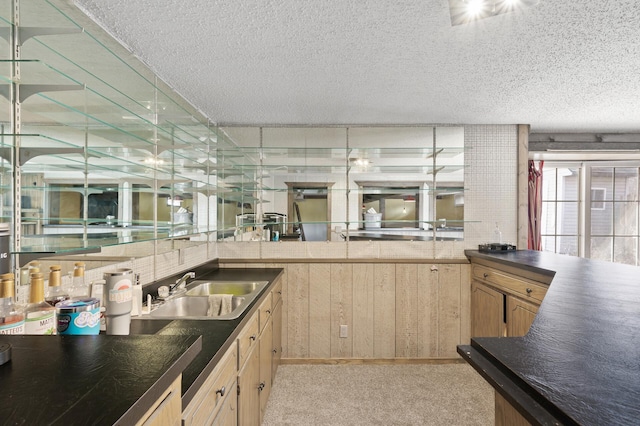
(248, 394)
(266, 356)
(277, 340)
(228, 415)
(487, 311)
(520, 315)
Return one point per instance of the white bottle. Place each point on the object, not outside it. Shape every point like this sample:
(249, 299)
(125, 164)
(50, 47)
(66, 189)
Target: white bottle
(78, 284)
(497, 235)
(11, 315)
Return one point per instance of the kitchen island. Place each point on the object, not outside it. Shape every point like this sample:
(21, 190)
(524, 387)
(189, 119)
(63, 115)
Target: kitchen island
(580, 361)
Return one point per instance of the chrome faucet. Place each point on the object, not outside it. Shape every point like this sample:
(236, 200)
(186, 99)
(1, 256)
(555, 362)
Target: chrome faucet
(181, 283)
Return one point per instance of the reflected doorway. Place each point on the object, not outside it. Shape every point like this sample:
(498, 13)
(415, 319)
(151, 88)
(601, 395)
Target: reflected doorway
(309, 210)
(398, 205)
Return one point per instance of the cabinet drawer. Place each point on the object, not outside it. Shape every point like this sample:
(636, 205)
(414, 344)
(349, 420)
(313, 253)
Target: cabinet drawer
(166, 410)
(205, 405)
(276, 293)
(519, 286)
(247, 340)
(265, 311)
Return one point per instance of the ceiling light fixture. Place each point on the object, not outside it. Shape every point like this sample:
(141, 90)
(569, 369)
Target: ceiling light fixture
(466, 11)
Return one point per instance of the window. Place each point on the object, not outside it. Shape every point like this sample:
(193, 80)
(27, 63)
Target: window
(597, 198)
(603, 223)
(560, 209)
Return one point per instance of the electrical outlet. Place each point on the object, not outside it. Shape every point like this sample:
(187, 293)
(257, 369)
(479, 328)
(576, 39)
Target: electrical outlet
(344, 331)
(180, 257)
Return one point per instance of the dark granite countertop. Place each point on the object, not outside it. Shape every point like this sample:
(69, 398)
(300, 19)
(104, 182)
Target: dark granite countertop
(217, 335)
(580, 361)
(89, 380)
(105, 380)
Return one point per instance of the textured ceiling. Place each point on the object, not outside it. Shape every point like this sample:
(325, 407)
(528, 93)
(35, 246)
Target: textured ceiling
(559, 66)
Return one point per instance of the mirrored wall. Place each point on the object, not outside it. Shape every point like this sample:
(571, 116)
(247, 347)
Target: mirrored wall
(341, 183)
(95, 150)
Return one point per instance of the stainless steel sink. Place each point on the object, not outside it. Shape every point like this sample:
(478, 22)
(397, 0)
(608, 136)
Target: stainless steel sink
(201, 295)
(237, 288)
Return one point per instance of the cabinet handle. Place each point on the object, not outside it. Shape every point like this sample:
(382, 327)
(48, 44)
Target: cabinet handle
(485, 275)
(261, 386)
(279, 292)
(269, 311)
(221, 391)
(529, 291)
(275, 351)
(253, 337)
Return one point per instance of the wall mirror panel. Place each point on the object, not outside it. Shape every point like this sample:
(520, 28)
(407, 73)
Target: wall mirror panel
(338, 183)
(105, 153)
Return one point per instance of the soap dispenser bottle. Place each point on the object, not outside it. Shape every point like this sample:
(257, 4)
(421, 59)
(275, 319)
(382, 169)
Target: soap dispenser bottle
(497, 235)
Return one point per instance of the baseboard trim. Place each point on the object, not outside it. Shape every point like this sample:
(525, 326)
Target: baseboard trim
(371, 361)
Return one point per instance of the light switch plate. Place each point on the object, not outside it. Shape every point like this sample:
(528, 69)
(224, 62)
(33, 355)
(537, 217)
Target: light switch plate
(344, 331)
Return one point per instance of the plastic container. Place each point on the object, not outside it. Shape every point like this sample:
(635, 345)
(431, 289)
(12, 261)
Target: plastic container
(372, 220)
(78, 316)
(117, 300)
(5, 251)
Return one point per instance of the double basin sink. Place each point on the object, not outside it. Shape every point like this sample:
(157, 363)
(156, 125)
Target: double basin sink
(210, 300)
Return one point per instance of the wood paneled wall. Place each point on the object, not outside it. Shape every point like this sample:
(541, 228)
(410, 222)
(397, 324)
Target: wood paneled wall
(392, 310)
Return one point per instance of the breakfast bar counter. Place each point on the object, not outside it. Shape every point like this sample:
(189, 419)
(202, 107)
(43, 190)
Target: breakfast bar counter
(580, 361)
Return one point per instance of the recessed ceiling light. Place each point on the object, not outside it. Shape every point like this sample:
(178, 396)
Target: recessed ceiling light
(475, 7)
(467, 11)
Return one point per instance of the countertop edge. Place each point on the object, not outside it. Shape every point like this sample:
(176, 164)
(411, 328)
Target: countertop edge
(146, 401)
(520, 399)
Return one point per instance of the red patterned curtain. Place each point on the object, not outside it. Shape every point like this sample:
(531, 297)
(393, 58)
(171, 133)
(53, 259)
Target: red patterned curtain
(535, 205)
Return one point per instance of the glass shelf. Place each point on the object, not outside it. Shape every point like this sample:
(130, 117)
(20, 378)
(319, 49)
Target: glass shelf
(98, 127)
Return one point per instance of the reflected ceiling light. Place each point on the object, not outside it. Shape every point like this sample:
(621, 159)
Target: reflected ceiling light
(361, 162)
(154, 161)
(466, 11)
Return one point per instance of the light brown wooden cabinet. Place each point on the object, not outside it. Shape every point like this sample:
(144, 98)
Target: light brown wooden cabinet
(248, 392)
(504, 300)
(266, 357)
(259, 362)
(228, 415)
(487, 311)
(277, 339)
(506, 414)
(166, 410)
(520, 316)
(217, 394)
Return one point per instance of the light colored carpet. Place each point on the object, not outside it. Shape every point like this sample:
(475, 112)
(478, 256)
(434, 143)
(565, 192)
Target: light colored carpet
(424, 394)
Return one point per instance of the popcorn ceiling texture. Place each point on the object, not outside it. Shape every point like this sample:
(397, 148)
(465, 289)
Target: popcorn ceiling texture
(559, 66)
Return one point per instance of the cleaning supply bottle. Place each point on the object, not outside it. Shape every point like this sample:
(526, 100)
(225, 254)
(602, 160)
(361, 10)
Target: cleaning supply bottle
(40, 317)
(11, 314)
(56, 293)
